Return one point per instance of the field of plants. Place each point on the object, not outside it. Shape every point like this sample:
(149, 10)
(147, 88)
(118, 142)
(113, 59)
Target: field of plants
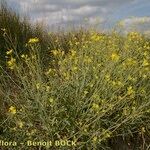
(75, 90)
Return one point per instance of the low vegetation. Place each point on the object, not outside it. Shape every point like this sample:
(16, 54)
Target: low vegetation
(86, 87)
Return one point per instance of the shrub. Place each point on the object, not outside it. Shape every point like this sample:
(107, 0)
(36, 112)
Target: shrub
(94, 93)
(15, 31)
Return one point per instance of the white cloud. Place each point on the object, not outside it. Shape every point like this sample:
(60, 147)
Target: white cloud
(85, 10)
(136, 20)
(65, 11)
(141, 24)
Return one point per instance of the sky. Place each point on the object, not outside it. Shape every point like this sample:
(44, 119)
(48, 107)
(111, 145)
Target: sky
(101, 13)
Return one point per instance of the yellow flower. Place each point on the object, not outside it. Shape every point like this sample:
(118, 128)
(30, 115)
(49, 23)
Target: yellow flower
(143, 129)
(11, 63)
(95, 106)
(55, 52)
(95, 37)
(74, 68)
(134, 36)
(33, 57)
(14, 129)
(22, 56)
(142, 91)
(130, 61)
(119, 83)
(94, 138)
(86, 92)
(62, 53)
(73, 53)
(87, 59)
(115, 56)
(51, 100)
(145, 62)
(3, 29)
(130, 90)
(144, 76)
(37, 86)
(113, 83)
(106, 133)
(12, 110)
(47, 88)
(131, 78)
(107, 77)
(25, 57)
(33, 40)
(49, 72)
(77, 43)
(9, 52)
(145, 53)
(20, 124)
(66, 75)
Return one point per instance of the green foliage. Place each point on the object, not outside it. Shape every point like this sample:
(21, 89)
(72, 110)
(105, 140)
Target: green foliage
(96, 92)
(15, 31)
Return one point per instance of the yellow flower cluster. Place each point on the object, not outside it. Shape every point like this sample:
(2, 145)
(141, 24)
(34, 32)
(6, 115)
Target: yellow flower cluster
(95, 106)
(58, 52)
(33, 40)
(95, 37)
(12, 110)
(134, 36)
(20, 124)
(145, 62)
(11, 63)
(130, 90)
(115, 56)
(9, 52)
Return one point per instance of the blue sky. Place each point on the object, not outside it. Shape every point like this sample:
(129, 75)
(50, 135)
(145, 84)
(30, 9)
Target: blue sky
(139, 8)
(73, 12)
